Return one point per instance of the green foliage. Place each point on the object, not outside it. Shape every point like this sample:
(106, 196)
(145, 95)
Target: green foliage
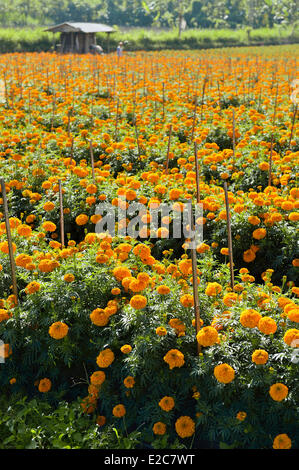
(36, 40)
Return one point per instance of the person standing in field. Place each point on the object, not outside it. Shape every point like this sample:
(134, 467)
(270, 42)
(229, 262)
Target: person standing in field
(119, 49)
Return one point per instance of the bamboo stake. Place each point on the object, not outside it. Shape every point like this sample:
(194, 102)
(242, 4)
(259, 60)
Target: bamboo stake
(116, 120)
(137, 140)
(61, 214)
(9, 241)
(229, 236)
(197, 174)
(234, 135)
(163, 102)
(194, 117)
(293, 124)
(168, 149)
(92, 161)
(194, 278)
(270, 162)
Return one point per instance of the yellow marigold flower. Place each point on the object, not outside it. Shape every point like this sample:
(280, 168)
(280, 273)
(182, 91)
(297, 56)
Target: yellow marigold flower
(282, 441)
(44, 385)
(159, 428)
(99, 317)
(119, 411)
(105, 358)
(126, 349)
(138, 302)
(278, 391)
(129, 381)
(241, 415)
(207, 336)
(259, 356)
(161, 331)
(250, 318)
(267, 325)
(224, 373)
(213, 288)
(98, 377)
(185, 426)
(166, 403)
(58, 330)
(291, 338)
(174, 358)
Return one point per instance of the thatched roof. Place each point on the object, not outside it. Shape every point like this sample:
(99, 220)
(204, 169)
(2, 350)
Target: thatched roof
(80, 28)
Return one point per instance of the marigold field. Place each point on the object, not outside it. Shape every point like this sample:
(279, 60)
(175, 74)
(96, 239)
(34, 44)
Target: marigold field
(100, 330)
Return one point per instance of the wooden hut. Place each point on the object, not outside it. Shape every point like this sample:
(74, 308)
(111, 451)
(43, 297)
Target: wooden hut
(77, 38)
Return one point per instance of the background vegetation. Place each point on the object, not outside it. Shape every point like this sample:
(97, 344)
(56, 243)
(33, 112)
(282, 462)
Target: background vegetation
(36, 40)
(153, 13)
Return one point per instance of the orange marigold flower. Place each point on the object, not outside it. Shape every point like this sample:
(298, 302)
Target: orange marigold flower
(267, 325)
(99, 317)
(185, 426)
(291, 338)
(24, 230)
(161, 331)
(174, 358)
(259, 356)
(129, 382)
(282, 441)
(44, 385)
(58, 330)
(187, 300)
(163, 290)
(82, 219)
(278, 391)
(224, 373)
(69, 277)
(250, 318)
(49, 226)
(213, 288)
(166, 403)
(259, 233)
(32, 287)
(98, 377)
(101, 420)
(241, 415)
(105, 358)
(126, 349)
(138, 302)
(119, 411)
(207, 336)
(159, 428)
